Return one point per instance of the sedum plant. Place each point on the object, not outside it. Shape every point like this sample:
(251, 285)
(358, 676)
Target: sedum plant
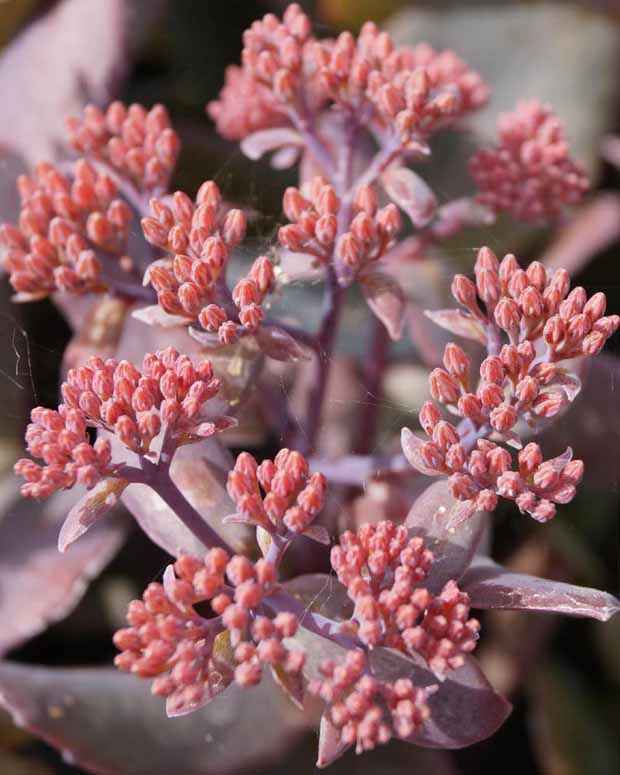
(383, 643)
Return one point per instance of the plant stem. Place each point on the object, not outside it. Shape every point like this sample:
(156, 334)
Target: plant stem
(326, 339)
(313, 622)
(157, 477)
(374, 367)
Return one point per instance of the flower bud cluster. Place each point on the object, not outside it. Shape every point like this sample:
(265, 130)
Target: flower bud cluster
(65, 224)
(245, 105)
(191, 284)
(529, 173)
(382, 570)
(60, 440)
(531, 304)
(365, 710)
(186, 654)
(279, 495)
(480, 470)
(313, 212)
(414, 90)
(138, 143)
(169, 392)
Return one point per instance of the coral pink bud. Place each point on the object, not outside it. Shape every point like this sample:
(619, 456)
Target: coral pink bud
(464, 291)
(469, 406)
(366, 200)
(507, 314)
(234, 227)
(262, 274)
(527, 389)
(531, 303)
(530, 457)
(349, 250)
(212, 317)
(492, 370)
(388, 219)
(503, 418)
(443, 387)
(154, 232)
(456, 361)
(429, 416)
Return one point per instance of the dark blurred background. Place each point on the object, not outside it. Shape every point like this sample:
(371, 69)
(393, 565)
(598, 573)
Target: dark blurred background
(563, 675)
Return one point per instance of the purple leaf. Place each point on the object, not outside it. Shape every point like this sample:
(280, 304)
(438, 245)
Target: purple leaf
(465, 709)
(38, 585)
(154, 315)
(591, 425)
(291, 684)
(458, 322)
(285, 157)
(280, 345)
(109, 724)
(412, 444)
(77, 51)
(386, 299)
(330, 745)
(410, 193)
(453, 546)
(89, 510)
(492, 586)
(590, 231)
(321, 593)
(428, 339)
(259, 143)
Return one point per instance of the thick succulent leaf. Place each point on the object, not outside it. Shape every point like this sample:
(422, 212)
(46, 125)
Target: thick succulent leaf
(89, 510)
(109, 724)
(386, 299)
(280, 345)
(199, 471)
(465, 709)
(412, 444)
(154, 315)
(56, 63)
(330, 745)
(321, 593)
(458, 322)
(177, 703)
(591, 425)
(291, 684)
(490, 585)
(589, 232)
(259, 143)
(453, 546)
(411, 193)
(38, 585)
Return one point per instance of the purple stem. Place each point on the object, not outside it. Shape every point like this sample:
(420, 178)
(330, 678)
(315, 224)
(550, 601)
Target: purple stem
(317, 623)
(374, 366)
(326, 339)
(157, 477)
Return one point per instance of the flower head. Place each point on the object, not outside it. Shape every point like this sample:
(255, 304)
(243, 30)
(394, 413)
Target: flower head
(529, 173)
(200, 236)
(170, 393)
(71, 235)
(138, 143)
(191, 657)
(368, 711)
(384, 570)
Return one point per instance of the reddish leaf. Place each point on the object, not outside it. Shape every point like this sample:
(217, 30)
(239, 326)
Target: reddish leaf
(410, 193)
(412, 445)
(259, 143)
(280, 345)
(109, 724)
(330, 745)
(38, 585)
(590, 425)
(386, 299)
(590, 231)
(491, 586)
(453, 546)
(154, 315)
(458, 322)
(89, 510)
(77, 51)
(465, 709)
